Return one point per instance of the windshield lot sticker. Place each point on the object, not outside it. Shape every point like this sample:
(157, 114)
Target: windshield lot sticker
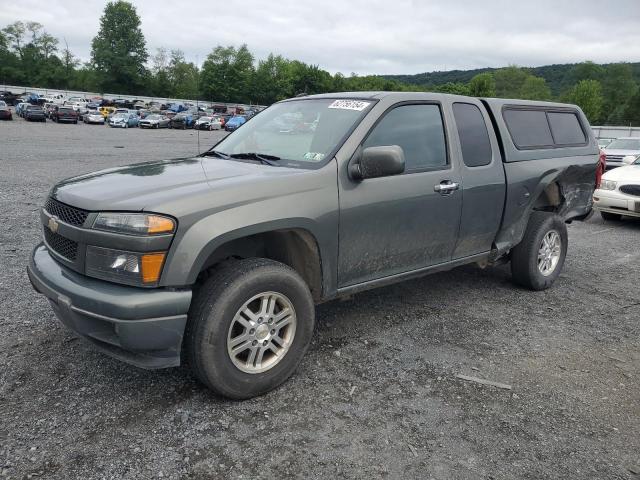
(350, 105)
(313, 156)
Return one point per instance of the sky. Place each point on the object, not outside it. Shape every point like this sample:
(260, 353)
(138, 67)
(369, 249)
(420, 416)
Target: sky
(366, 37)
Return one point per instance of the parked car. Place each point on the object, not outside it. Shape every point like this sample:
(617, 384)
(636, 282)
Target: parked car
(106, 111)
(234, 123)
(5, 111)
(208, 123)
(182, 121)
(619, 192)
(123, 120)
(21, 107)
(245, 239)
(155, 121)
(8, 97)
(35, 113)
(620, 148)
(94, 117)
(57, 98)
(63, 113)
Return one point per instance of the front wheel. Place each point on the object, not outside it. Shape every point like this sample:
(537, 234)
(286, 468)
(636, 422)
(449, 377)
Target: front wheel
(249, 326)
(537, 260)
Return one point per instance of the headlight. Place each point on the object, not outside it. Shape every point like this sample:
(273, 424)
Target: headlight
(134, 223)
(130, 268)
(607, 185)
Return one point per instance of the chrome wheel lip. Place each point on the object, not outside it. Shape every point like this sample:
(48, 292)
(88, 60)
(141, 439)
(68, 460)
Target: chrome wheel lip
(266, 346)
(549, 252)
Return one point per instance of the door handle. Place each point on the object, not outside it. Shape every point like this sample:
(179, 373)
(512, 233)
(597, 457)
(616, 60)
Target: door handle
(446, 187)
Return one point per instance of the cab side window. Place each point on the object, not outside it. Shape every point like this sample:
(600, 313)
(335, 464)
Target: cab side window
(474, 138)
(419, 130)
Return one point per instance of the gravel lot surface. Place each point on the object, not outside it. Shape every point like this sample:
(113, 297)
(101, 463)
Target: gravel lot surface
(376, 396)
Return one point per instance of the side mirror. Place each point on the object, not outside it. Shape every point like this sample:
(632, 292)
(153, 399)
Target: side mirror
(629, 159)
(375, 162)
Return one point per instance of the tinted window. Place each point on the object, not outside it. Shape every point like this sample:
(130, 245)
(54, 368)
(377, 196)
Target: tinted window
(418, 129)
(474, 138)
(566, 128)
(528, 128)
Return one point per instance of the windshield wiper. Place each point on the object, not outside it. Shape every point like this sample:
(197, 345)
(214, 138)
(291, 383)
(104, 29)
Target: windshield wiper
(261, 157)
(215, 153)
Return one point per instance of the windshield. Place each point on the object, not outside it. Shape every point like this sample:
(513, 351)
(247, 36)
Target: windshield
(121, 115)
(300, 132)
(625, 144)
(153, 117)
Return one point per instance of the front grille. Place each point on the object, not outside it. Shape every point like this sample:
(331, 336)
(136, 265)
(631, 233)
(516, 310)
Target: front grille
(71, 215)
(61, 245)
(631, 190)
(614, 158)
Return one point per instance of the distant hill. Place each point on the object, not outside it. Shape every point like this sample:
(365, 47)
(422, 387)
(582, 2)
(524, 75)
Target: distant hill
(558, 77)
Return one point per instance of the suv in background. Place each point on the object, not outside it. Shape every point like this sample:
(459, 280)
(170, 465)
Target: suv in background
(620, 148)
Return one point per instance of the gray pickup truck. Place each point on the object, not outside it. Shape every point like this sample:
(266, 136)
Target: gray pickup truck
(218, 260)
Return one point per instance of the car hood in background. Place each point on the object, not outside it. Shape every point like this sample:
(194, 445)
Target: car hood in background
(622, 153)
(164, 185)
(626, 174)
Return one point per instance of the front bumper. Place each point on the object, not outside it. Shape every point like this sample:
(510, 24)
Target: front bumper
(613, 201)
(143, 327)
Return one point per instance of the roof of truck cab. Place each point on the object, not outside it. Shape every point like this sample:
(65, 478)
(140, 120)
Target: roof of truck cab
(404, 96)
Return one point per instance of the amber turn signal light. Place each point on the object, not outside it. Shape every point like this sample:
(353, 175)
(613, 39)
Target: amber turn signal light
(159, 225)
(151, 264)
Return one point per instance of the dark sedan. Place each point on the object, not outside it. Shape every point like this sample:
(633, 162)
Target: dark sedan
(64, 114)
(35, 113)
(5, 111)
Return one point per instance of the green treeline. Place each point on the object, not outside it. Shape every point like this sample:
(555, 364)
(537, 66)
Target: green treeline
(121, 64)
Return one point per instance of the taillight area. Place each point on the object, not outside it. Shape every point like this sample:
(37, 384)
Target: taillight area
(602, 166)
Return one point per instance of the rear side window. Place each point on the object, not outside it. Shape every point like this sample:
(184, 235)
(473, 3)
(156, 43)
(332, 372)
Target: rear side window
(474, 138)
(419, 130)
(528, 128)
(566, 128)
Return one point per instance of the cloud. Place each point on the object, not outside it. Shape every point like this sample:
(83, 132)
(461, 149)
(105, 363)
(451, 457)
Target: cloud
(399, 36)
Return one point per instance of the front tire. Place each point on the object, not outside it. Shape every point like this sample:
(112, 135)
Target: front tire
(249, 326)
(537, 260)
(611, 217)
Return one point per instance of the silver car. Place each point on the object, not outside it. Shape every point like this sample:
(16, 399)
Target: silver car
(155, 121)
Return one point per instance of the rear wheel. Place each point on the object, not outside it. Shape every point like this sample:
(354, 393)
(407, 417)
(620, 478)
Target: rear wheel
(537, 260)
(612, 217)
(249, 326)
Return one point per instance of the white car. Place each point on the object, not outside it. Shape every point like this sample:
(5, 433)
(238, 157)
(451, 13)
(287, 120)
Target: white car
(619, 192)
(57, 99)
(208, 123)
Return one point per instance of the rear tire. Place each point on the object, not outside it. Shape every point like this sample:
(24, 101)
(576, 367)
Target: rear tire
(214, 319)
(611, 217)
(537, 260)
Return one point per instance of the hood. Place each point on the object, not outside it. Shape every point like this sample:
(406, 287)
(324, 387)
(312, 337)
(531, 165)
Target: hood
(622, 153)
(626, 174)
(132, 187)
(160, 186)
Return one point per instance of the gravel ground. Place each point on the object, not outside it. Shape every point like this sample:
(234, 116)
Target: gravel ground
(376, 396)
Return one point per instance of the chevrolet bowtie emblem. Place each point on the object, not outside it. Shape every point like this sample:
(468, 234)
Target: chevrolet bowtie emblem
(53, 225)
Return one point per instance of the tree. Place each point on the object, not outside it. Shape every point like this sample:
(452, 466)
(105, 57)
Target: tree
(535, 88)
(482, 85)
(118, 51)
(509, 81)
(586, 71)
(272, 80)
(632, 111)
(183, 76)
(587, 94)
(15, 36)
(618, 86)
(227, 73)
